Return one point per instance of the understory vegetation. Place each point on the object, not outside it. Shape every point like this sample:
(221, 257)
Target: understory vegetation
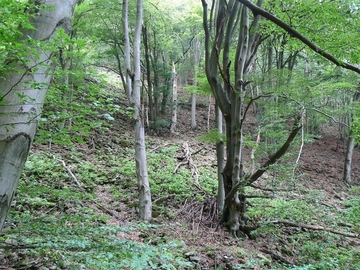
(76, 207)
(250, 151)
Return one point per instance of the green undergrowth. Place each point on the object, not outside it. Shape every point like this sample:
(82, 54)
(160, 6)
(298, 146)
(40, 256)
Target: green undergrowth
(311, 249)
(59, 222)
(82, 241)
(54, 222)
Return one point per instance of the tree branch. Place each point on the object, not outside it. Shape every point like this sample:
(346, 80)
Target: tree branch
(259, 172)
(259, 11)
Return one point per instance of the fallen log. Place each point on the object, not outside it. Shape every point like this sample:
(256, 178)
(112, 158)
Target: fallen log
(313, 227)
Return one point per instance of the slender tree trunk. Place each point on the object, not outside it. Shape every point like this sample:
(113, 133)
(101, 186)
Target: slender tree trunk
(208, 115)
(148, 74)
(145, 204)
(193, 111)
(129, 75)
(350, 150)
(348, 157)
(22, 93)
(193, 95)
(220, 158)
(66, 65)
(174, 100)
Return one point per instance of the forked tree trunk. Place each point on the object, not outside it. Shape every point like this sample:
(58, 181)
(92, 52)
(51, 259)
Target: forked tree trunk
(229, 96)
(22, 94)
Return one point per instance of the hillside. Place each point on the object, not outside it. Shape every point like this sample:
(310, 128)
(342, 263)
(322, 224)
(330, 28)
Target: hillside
(76, 207)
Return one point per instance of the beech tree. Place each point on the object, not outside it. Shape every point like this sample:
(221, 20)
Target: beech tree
(133, 79)
(23, 89)
(233, 24)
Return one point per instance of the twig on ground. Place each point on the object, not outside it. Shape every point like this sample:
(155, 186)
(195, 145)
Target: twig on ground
(270, 189)
(163, 198)
(157, 147)
(73, 177)
(260, 196)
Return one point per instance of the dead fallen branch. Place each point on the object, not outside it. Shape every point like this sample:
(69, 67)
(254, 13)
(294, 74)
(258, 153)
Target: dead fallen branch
(313, 227)
(163, 198)
(187, 160)
(76, 181)
(73, 177)
(270, 189)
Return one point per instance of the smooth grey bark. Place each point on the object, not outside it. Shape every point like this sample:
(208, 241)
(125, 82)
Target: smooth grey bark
(350, 150)
(150, 91)
(134, 94)
(193, 95)
(174, 100)
(348, 158)
(193, 111)
(145, 204)
(22, 94)
(127, 55)
(220, 157)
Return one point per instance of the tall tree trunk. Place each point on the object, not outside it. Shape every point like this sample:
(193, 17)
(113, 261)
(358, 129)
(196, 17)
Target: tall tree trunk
(145, 204)
(22, 94)
(229, 94)
(350, 150)
(193, 95)
(174, 100)
(67, 94)
(348, 158)
(129, 75)
(148, 74)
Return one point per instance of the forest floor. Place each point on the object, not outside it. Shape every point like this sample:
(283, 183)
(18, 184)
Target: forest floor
(205, 244)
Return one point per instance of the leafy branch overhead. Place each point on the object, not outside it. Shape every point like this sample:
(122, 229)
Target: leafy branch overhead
(258, 11)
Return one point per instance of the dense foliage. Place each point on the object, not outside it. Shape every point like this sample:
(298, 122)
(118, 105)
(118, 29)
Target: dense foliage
(77, 202)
